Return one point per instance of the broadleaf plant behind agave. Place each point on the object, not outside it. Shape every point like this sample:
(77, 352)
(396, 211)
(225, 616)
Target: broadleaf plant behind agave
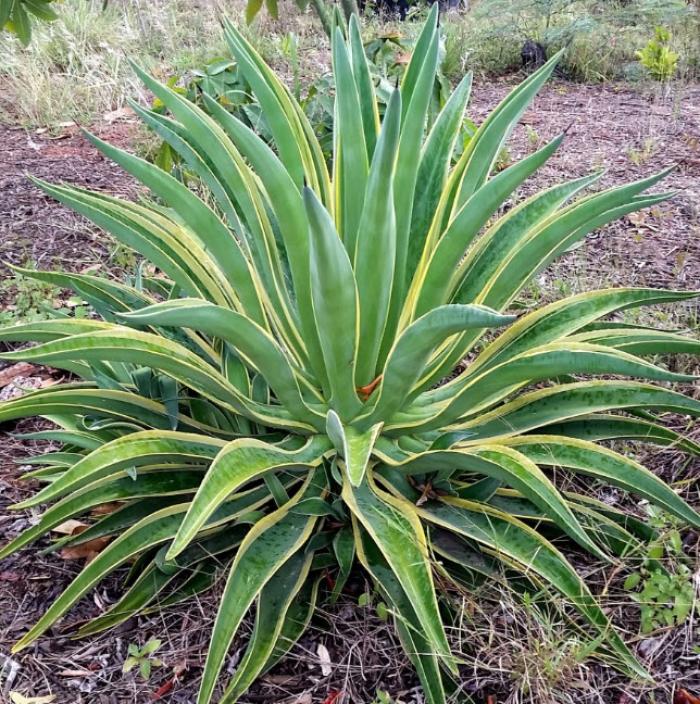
(270, 401)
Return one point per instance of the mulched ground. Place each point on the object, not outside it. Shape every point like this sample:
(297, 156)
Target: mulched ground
(632, 134)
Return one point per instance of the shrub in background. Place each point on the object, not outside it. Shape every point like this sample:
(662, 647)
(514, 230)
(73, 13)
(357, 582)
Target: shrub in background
(658, 58)
(601, 36)
(16, 16)
(278, 398)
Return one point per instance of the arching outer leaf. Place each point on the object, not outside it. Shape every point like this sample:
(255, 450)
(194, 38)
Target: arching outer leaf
(238, 463)
(266, 548)
(592, 460)
(353, 445)
(203, 222)
(296, 620)
(562, 318)
(47, 330)
(151, 582)
(116, 487)
(559, 403)
(515, 470)
(417, 646)
(137, 449)
(273, 603)
(466, 395)
(83, 399)
(258, 347)
(152, 530)
(642, 341)
(125, 345)
(512, 541)
(394, 526)
(558, 232)
(599, 426)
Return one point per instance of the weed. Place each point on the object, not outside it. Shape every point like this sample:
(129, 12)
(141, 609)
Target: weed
(142, 658)
(667, 593)
(639, 157)
(31, 300)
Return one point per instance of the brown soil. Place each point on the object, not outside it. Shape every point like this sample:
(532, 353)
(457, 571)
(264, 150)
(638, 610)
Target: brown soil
(632, 134)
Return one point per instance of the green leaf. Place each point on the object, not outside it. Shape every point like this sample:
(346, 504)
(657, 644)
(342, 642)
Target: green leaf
(143, 448)
(616, 469)
(273, 604)
(351, 163)
(632, 581)
(413, 348)
(151, 531)
(255, 345)
(514, 469)
(335, 305)
(271, 542)
(415, 642)
(375, 246)
(507, 538)
(354, 446)
(559, 403)
(394, 526)
(239, 462)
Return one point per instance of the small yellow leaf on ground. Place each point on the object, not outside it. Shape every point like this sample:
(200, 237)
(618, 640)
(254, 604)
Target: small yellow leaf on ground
(18, 698)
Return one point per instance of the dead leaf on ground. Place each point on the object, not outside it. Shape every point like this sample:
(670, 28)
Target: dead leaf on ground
(20, 369)
(106, 509)
(70, 527)
(683, 696)
(324, 659)
(75, 673)
(10, 576)
(86, 551)
(124, 113)
(17, 698)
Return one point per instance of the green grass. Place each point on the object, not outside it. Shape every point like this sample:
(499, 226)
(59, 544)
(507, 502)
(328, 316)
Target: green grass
(601, 36)
(76, 68)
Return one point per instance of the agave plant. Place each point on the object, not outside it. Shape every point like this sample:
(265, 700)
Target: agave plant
(279, 399)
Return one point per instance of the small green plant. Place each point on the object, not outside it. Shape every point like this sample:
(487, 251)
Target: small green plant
(289, 45)
(667, 593)
(658, 58)
(32, 300)
(533, 137)
(143, 658)
(639, 157)
(382, 697)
